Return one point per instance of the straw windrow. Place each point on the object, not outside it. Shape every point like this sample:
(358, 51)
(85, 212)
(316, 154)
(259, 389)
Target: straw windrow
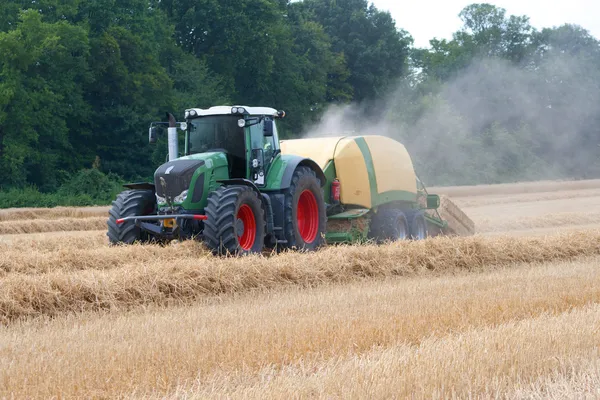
(18, 214)
(129, 277)
(52, 225)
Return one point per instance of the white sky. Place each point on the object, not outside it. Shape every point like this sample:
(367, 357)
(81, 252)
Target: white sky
(425, 20)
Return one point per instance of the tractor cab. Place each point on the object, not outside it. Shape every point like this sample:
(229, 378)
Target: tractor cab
(246, 135)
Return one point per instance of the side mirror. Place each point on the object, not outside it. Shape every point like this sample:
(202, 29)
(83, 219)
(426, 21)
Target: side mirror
(153, 134)
(268, 129)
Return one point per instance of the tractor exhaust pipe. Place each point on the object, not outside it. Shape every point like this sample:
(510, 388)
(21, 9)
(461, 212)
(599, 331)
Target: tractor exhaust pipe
(172, 138)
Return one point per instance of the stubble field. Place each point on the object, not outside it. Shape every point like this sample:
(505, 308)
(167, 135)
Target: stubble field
(513, 312)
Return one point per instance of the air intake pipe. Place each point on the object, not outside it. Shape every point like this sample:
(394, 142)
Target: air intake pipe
(172, 138)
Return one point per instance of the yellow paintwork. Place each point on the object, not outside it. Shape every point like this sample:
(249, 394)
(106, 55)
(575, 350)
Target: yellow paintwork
(394, 168)
(320, 150)
(353, 174)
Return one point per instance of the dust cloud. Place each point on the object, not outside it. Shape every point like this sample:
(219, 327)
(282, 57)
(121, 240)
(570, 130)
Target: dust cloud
(494, 123)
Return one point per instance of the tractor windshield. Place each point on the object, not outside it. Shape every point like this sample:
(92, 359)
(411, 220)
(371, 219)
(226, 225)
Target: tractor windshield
(216, 133)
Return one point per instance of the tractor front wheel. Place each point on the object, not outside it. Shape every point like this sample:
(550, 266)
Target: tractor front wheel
(130, 203)
(235, 222)
(305, 215)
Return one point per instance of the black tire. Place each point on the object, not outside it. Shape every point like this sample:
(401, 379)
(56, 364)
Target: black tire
(130, 203)
(296, 233)
(389, 224)
(226, 210)
(418, 225)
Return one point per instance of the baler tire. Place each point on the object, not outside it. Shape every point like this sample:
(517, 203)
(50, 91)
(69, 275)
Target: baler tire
(418, 225)
(227, 206)
(389, 224)
(130, 203)
(304, 195)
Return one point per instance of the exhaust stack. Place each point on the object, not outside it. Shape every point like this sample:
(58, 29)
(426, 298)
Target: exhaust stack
(172, 138)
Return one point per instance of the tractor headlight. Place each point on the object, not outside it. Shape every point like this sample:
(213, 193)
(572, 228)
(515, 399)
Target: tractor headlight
(193, 113)
(160, 200)
(181, 198)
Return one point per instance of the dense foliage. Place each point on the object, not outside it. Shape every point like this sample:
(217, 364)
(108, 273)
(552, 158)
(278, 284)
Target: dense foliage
(80, 80)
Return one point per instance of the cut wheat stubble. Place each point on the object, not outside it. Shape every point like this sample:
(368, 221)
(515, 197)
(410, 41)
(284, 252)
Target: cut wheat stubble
(186, 272)
(241, 343)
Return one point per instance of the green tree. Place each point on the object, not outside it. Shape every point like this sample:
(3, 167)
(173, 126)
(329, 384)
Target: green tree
(43, 68)
(236, 39)
(486, 33)
(376, 52)
(130, 89)
(50, 10)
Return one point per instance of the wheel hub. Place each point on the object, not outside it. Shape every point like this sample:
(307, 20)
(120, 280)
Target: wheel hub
(245, 227)
(308, 216)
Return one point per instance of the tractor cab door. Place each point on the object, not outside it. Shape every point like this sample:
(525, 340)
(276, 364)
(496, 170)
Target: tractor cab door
(264, 143)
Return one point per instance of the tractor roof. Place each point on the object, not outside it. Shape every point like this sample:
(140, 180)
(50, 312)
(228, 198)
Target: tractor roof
(227, 110)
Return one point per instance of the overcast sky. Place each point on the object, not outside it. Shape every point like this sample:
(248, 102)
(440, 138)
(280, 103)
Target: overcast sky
(425, 20)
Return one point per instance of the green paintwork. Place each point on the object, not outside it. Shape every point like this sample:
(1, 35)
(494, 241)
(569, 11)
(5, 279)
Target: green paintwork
(433, 201)
(215, 168)
(351, 214)
(435, 221)
(364, 148)
(377, 198)
(248, 151)
(275, 172)
(340, 237)
(355, 234)
(330, 175)
(394, 195)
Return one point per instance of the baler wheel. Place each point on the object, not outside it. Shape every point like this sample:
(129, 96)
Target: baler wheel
(305, 217)
(418, 225)
(235, 222)
(130, 203)
(389, 224)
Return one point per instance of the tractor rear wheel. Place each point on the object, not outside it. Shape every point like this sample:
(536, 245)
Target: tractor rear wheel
(389, 224)
(130, 203)
(235, 222)
(304, 214)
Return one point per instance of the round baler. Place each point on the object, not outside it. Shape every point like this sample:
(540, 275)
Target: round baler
(381, 196)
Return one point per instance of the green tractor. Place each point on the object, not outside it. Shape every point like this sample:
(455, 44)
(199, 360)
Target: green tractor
(233, 188)
(241, 190)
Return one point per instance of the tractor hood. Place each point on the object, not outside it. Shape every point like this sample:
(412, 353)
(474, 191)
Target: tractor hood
(175, 177)
(185, 181)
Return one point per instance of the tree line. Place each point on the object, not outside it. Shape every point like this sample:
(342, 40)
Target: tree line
(81, 80)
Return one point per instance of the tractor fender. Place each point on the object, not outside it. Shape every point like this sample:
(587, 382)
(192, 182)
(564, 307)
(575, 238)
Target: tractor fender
(266, 200)
(295, 162)
(140, 186)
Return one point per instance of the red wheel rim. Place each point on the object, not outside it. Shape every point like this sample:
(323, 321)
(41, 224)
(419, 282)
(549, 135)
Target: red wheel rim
(246, 240)
(308, 216)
